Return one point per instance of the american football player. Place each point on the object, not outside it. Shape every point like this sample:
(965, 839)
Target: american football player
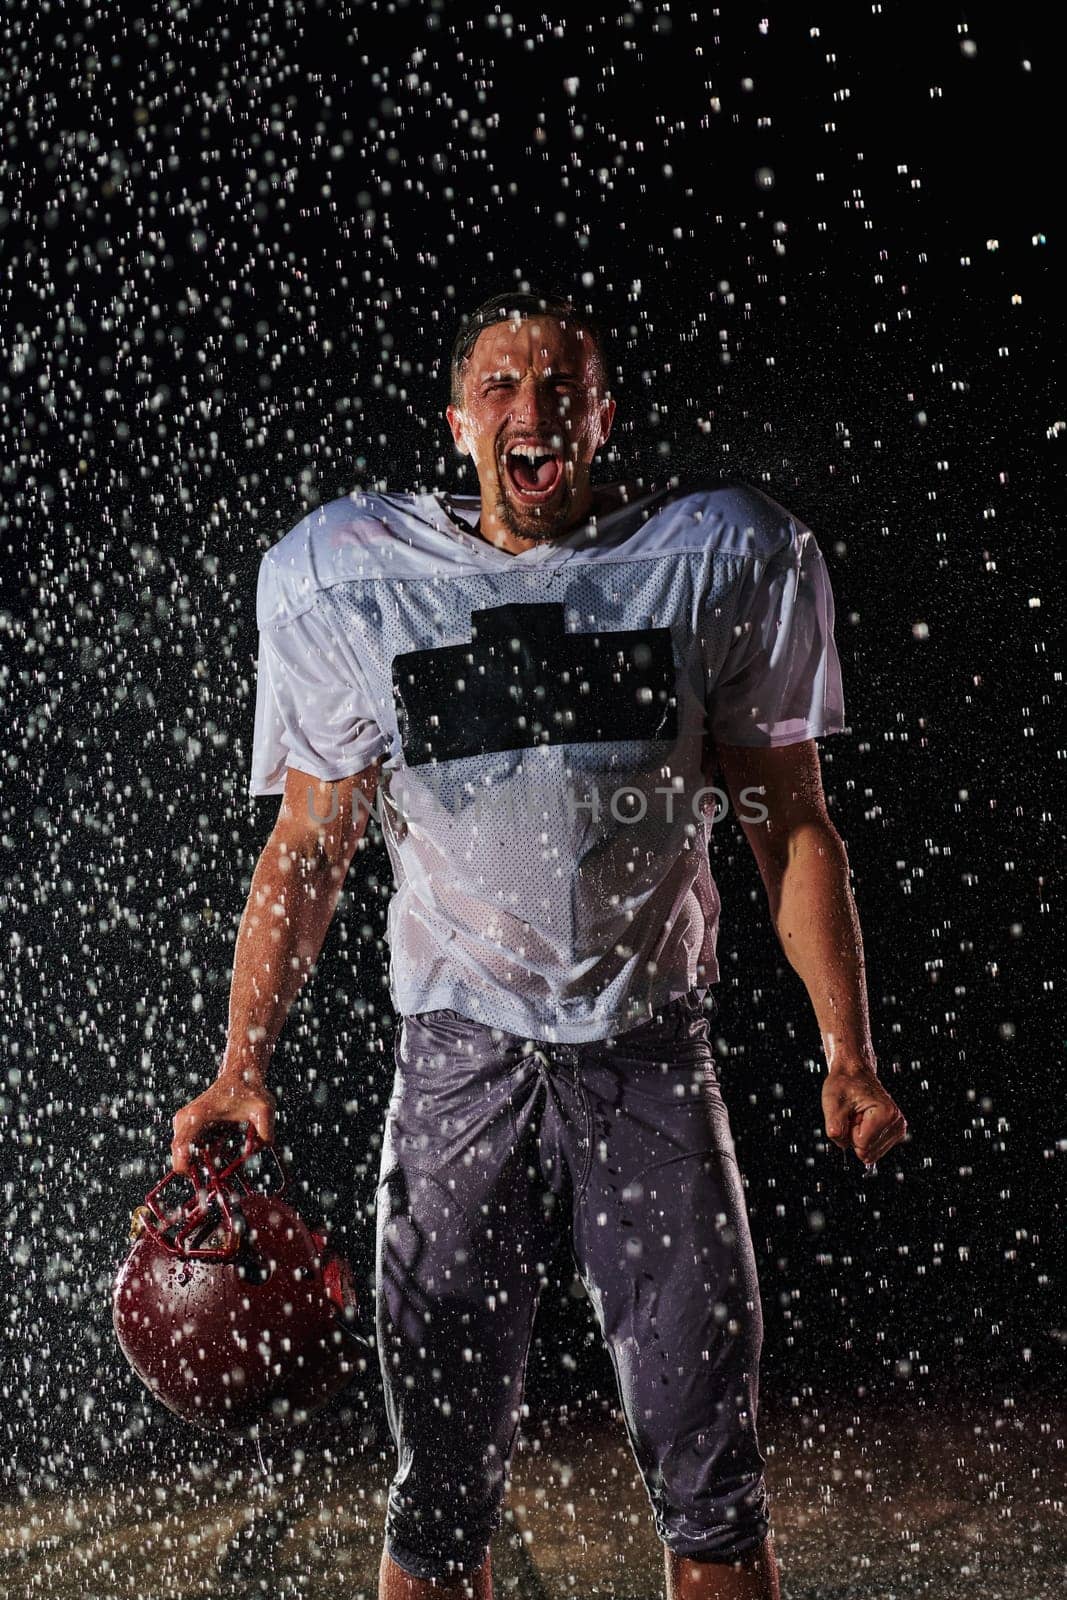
(546, 692)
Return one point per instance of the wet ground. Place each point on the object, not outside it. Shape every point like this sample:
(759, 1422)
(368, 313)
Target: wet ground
(866, 1506)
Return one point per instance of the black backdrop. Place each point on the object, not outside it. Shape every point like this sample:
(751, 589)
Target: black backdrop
(235, 244)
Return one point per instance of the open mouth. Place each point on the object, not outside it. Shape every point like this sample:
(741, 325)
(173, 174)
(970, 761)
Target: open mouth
(533, 473)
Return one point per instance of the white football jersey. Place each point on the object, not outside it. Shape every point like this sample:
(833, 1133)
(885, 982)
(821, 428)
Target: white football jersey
(540, 720)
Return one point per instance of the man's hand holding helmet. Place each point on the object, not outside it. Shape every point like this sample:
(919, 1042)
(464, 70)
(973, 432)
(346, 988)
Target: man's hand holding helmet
(235, 1096)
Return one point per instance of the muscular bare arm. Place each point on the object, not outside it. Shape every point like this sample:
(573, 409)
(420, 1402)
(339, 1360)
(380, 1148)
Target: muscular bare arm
(292, 898)
(804, 867)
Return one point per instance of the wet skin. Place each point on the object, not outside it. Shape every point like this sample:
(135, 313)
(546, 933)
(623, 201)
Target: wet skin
(538, 382)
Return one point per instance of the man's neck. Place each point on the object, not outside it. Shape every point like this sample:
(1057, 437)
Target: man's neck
(605, 498)
(513, 544)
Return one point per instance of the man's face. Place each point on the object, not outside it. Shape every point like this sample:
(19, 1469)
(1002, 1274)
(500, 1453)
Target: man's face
(532, 417)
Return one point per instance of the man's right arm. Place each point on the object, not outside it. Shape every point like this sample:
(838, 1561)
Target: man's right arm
(292, 898)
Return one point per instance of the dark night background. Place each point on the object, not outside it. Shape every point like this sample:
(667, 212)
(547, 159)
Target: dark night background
(235, 244)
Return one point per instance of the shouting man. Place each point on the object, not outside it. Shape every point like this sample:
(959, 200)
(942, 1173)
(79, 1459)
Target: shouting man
(536, 686)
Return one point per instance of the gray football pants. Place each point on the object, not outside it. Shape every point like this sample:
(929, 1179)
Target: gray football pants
(493, 1146)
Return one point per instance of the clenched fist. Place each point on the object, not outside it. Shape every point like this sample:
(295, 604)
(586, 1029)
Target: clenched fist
(860, 1113)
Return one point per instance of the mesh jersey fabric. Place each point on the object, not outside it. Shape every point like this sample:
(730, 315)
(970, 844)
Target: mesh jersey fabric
(540, 720)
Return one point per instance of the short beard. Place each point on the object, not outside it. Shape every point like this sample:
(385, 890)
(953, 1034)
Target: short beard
(539, 531)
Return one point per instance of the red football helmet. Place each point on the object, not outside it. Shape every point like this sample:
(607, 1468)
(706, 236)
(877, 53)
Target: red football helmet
(235, 1313)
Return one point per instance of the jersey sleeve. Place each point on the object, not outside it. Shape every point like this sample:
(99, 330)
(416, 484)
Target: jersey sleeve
(313, 711)
(780, 680)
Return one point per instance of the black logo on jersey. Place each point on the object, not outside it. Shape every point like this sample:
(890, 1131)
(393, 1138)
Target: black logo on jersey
(522, 681)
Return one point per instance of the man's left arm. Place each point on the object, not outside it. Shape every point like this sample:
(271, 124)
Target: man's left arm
(804, 867)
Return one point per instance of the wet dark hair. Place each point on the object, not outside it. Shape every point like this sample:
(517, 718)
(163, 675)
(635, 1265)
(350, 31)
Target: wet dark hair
(525, 303)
